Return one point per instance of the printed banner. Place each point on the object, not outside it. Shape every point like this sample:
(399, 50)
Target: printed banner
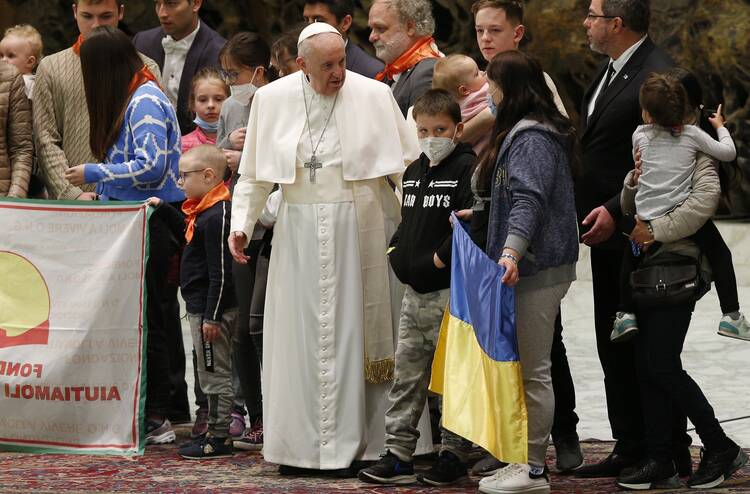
(72, 326)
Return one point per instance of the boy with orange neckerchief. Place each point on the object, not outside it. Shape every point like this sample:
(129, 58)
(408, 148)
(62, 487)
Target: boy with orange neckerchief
(206, 284)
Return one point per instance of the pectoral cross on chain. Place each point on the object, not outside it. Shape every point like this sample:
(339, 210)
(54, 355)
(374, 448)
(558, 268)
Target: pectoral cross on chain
(313, 164)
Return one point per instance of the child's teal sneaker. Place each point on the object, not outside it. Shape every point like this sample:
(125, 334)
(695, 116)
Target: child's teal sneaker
(735, 328)
(624, 328)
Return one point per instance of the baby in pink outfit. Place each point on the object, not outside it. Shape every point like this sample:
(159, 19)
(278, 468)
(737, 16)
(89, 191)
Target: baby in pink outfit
(460, 76)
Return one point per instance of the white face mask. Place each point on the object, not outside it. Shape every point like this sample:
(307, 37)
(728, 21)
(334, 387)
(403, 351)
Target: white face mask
(244, 92)
(437, 148)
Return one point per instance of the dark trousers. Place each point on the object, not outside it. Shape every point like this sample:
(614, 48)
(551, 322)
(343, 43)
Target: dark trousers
(621, 384)
(179, 407)
(562, 383)
(617, 360)
(247, 341)
(666, 387)
(160, 342)
(719, 257)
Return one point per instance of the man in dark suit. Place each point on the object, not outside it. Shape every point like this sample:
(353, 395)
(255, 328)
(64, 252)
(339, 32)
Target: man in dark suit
(182, 45)
(339, 13)
(402, 37)
(611, 111)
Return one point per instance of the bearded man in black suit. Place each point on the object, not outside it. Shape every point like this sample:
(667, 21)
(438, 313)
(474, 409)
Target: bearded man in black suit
(610, 113)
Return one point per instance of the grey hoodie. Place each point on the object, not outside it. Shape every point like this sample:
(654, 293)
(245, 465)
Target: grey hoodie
(533, 207)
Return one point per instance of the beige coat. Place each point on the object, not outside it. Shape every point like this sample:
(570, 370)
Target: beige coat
(689, 216)
(673, 228)
(16, 144)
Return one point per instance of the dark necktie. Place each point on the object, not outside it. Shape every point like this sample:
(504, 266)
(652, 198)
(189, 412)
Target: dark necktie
(607, 80)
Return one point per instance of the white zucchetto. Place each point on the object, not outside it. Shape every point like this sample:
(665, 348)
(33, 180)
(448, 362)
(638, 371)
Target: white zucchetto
(314, 29)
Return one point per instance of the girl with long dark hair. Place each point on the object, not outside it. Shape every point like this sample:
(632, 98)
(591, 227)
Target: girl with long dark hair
(532, 233)
(135, 135)
(133, 127)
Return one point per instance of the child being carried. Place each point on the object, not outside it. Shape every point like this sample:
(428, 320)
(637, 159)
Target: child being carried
(669, 150)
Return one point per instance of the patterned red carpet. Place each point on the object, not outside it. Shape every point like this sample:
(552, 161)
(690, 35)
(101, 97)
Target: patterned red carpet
(161, 470)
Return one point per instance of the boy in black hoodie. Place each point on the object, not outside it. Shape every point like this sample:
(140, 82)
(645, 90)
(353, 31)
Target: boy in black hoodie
(420, 254)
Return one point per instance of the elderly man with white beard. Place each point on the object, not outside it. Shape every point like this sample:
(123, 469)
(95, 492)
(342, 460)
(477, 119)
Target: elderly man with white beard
(334, 141)
(401, 32)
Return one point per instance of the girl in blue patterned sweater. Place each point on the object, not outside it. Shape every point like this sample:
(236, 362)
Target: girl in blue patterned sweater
(134, 132)
(133, 129)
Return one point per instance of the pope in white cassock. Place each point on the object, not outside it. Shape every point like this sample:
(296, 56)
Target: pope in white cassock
(331, 139)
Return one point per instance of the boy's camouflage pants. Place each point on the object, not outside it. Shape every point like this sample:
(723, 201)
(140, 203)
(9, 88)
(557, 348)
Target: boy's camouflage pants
(418, 329)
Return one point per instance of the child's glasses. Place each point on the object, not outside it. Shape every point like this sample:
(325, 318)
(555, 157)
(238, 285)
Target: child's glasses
(182, 175)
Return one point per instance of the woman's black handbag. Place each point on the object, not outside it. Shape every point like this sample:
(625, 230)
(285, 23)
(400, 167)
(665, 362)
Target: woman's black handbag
(674, 282)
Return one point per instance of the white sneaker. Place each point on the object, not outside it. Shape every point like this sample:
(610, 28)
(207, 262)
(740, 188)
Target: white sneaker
(515, 479)
(159, 433)
(488, 466)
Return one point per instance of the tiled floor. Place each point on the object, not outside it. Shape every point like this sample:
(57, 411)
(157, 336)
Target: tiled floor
(721, 366)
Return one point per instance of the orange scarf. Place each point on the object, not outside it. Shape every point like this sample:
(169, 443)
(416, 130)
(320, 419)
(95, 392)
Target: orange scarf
(141, 77)
(424, 48)
(193, 207)
(77, 45)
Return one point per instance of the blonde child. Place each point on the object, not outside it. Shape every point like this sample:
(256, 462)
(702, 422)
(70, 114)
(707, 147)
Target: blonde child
(21, 46)
(461, 77)
(16, 146)
(208, 91)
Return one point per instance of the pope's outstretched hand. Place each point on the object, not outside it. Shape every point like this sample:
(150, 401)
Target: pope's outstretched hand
(237, 242)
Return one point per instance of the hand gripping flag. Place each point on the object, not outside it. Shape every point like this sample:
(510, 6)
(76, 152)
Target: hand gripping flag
(476, 366)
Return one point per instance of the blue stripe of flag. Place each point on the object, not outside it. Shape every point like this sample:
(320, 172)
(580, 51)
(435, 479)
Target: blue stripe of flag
(479, 298)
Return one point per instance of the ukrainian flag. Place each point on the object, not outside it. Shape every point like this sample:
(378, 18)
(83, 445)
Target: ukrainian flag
(476, 366)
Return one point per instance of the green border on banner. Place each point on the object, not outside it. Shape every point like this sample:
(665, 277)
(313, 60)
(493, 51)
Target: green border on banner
(141, 409)
(144, 347)
(16, 448)
(74, 202)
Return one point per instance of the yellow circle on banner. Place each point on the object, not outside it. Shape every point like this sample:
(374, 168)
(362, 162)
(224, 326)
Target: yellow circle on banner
(24, 298)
